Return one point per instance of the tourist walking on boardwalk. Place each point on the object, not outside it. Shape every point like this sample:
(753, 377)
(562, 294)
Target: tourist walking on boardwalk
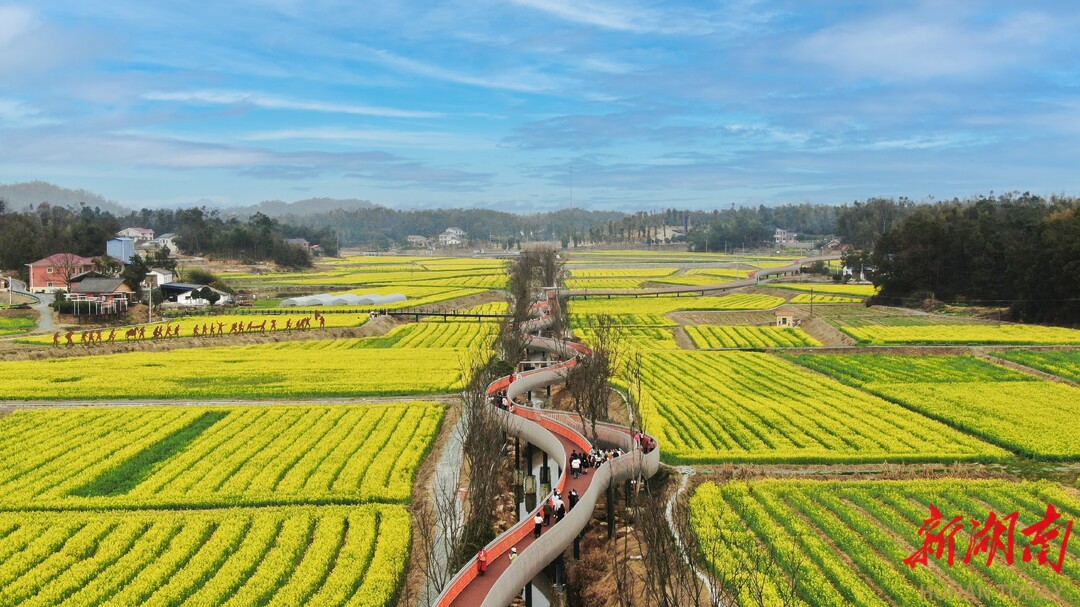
(549, 508)
(538, 522)
(513, 554)
(482, 561)
(575, 465)
(572, 499)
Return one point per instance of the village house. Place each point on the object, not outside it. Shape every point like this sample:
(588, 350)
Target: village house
(298, 242)
(783, 237)
(417, 242)
(168, 241)
(102, 290)
(122, 248)
(136, 234)
(157, 277)
(52, 273)
(452, 237)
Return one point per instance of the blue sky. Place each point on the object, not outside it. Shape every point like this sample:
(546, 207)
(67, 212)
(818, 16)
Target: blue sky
(639, 105)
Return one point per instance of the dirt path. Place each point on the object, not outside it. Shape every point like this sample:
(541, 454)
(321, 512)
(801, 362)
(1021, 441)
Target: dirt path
(828, 335)
(683, 339)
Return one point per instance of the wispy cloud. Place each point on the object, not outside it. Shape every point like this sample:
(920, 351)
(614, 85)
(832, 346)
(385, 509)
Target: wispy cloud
(592, 13)
(262, 100)
(433, 140)
(522, 80)
(135, 149)
(19, 114)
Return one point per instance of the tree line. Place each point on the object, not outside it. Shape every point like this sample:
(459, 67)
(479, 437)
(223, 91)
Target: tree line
(30, 235)
(1016, 250)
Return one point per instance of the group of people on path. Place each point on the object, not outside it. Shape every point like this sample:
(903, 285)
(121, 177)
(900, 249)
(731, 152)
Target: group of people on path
(554, 508)
(212, 329)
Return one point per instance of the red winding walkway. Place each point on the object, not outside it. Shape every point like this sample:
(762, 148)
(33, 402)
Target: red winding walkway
(468, 588)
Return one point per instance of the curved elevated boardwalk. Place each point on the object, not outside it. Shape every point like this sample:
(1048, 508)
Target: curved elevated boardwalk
(554, 432)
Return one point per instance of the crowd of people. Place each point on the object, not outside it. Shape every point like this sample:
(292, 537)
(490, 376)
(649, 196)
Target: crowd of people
(210, 329)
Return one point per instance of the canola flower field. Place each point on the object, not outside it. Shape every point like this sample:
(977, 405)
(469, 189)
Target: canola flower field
(236, 556)
(236, 505)
(389, 271)
(1016, 411)
(636, 339)
(205, 456)
(963, 334)
(708, 407)
(663, 305)
(849, 540)
(434, 334)
(735, 336)
(316, 368)
(824, 288)
(816, 299)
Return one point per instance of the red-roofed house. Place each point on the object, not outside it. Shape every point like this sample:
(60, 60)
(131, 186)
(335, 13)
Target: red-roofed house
(53, 273)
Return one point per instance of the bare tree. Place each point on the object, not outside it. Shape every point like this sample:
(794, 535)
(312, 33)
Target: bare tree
(587, 382)
(482, 435)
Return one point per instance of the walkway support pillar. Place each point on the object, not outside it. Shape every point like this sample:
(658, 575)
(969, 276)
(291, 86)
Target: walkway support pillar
(610, 512)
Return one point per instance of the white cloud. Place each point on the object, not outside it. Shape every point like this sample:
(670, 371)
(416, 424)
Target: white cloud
(928, 42)
(15, 21)
(219, 97)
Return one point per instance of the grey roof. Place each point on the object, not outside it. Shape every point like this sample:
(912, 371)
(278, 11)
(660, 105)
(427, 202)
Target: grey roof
(181, 286)
(167, 235)
(98, 285)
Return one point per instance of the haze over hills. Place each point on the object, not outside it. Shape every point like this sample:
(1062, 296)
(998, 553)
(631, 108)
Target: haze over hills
(21, 196)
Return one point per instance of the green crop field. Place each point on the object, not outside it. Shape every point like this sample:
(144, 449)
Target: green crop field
(751, 407)
(1008, 408)
(14, 325)
(1065, 364)
(734, 336)
(848, 541)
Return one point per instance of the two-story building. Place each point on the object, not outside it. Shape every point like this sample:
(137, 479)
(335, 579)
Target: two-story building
(453, 237)
(52, 273)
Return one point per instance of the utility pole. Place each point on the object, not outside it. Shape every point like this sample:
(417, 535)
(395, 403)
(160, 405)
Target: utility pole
(811, 302)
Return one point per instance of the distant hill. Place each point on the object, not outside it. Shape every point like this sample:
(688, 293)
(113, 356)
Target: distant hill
(300, 208)
(32, 193)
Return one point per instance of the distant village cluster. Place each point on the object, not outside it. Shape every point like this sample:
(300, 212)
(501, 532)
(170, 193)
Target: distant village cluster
(94, 286)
